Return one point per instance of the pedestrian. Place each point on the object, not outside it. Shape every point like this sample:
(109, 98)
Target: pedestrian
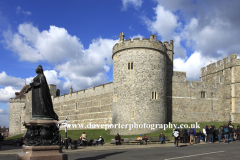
(207, 131)
(185, 135)
(118, 139)
(145, 138)
(211, 130)
(205, 134)
(231, 131)
(220, 132)
(99, 140)
(225, 131)
(181, 136)
(84, 139)
(162, 138)
(238, 132)
(1, 139)
(192, 133)
(176, 135)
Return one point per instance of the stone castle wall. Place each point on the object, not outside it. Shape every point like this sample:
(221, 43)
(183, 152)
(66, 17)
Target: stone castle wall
(189, 106)
(227, 73)
(90, 105)
(17, 116)
(20, 111)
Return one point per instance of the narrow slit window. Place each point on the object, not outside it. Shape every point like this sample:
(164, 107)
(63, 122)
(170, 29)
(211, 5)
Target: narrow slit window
(202, 94)
(154, 95)
(132, 114)
(130, 65)
(76, 106)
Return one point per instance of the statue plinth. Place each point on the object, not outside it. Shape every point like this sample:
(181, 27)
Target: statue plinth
(42, 141)
(42, 132)
(42, 153)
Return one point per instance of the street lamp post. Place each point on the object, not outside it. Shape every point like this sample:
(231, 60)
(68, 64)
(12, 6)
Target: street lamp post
(66, 142)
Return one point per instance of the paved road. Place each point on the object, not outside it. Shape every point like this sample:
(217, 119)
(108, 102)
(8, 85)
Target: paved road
(194, 152)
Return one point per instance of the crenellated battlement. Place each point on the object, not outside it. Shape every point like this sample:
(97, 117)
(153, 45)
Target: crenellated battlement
(220, 65)
(107, 87)
(18, 100)
(144, 43)
(200, 84)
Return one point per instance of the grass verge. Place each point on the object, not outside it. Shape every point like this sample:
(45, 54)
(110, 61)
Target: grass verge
(95, 133)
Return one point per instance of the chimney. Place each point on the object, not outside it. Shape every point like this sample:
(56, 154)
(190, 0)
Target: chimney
(210, 62)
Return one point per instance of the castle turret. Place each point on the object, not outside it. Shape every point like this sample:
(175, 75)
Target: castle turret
(71, 90)
(52, 89)
(139, 78)
(121, 37)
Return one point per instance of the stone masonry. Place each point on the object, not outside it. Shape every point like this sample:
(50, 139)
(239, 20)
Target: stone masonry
(145, 89)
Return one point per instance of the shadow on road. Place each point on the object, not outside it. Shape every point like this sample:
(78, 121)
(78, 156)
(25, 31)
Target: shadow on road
(183, 145)
(10, 147)
(100, 156)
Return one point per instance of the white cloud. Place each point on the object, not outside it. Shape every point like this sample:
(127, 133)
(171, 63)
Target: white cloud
(79, 67)
(8, 92)
(13, 84)
(192, 65)
(136, 4)
(5, 111)
(208, 31)
(6, 80)
(54, 46)
(20, 10)
(89, 69)
(163, 24)
(136, 36)
(179, 51)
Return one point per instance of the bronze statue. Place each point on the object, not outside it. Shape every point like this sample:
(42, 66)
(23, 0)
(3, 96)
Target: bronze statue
(42, 107)
(39, 134)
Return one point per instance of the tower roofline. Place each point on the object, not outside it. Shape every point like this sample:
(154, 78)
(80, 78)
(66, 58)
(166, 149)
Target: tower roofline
(144, 43)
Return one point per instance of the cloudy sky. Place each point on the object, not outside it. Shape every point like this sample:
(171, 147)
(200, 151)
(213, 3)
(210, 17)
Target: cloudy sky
(73, 40)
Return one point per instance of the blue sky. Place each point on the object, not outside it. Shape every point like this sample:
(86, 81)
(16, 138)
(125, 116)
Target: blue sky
(73, 40)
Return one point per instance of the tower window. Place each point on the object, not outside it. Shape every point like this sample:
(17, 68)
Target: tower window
(130, 65)
(220, 80)
(76, 106)
(154, 95)
(202, 94)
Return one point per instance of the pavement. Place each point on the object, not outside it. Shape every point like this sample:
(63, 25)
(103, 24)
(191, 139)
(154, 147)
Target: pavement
(9, 149)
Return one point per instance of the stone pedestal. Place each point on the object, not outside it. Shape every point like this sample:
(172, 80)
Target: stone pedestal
(42, 132)
(42, 153)
(42, 141)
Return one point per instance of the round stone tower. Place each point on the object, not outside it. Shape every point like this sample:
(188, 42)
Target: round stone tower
(140, 84)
